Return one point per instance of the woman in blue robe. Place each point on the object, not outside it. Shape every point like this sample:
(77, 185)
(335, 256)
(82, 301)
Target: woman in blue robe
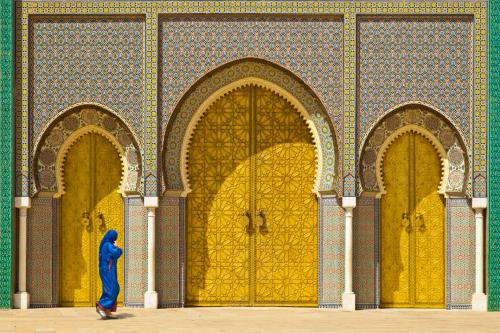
(108, 257)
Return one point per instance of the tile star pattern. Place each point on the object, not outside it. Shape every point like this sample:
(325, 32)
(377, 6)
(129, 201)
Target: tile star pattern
(77, 60)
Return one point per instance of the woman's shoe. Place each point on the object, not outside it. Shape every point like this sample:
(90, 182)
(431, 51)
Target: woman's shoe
(100, 312)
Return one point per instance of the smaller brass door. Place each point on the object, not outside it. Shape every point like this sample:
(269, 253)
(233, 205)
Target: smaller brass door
(412, 225)
(91, 206)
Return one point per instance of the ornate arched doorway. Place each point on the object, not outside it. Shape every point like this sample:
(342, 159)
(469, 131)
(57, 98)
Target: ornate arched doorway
(252, 227)
(412, 234)
(88, 160)
(91, 205)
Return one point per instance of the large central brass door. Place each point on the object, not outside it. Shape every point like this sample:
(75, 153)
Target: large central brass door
(412, 225)
(251, 213)
(91, 206)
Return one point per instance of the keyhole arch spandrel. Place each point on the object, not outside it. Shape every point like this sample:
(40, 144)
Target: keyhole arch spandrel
(446, 140)
(51, 149)
(72, 139)
(439, 149)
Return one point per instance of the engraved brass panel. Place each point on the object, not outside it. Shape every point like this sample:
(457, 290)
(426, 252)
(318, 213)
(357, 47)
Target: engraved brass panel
(91, 206)
(412, 225)
(251, 214)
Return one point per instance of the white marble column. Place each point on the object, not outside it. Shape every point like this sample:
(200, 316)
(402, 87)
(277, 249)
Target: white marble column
(479, 298)
(22, 297)
(348, 297)
(151, 296)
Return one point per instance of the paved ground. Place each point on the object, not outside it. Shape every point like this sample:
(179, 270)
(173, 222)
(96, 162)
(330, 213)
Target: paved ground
(248, 320)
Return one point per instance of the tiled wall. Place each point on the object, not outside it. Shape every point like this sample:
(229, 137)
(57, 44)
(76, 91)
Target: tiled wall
(331, 253)
(41, 271)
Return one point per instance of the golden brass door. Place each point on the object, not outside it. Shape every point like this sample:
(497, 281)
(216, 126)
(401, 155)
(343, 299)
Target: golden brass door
(91, 206)
(251, 214)
(412, 225)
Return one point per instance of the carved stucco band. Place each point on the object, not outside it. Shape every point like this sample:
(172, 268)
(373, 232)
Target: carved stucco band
(276, 77)
(67, 129)
(228, 89)
(433, 126)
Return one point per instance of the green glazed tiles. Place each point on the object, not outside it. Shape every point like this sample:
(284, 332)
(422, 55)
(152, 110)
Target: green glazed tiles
(494, 156)
(6, 70)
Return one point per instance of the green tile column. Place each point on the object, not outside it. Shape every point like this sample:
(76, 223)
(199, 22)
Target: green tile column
(494, 159)
(6, 72)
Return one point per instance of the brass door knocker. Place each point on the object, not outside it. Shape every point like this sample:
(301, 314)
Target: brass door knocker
(263, 226)
(420, 221)
(85, 221)
(250, 228)
(100, 221)
(405, 222)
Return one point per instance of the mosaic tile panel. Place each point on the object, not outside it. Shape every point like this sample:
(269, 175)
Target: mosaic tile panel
(136, 252)
(78, 60)
(460, 253)
(41, 257)
(493, 279)
(331, 253)
(308, 46)
(168, 252)
(415, 59)
(6, 139)
(365, 265)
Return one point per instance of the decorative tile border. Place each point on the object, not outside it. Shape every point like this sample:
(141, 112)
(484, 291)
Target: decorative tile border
(349, 137)
(6, 75)
(493, 278)
(151, 124)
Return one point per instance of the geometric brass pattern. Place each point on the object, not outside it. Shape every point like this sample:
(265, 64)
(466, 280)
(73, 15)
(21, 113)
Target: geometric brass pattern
(412, 226)
(252, 215)
(91, 206)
